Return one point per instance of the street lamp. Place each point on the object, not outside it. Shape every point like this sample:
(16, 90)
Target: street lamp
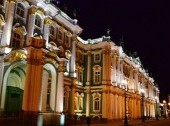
(143, 115)
(156, 107)
(126, 118)
(164, 108)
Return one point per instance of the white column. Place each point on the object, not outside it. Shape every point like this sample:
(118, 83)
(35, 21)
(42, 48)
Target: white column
(31, 21)
(121, 73)
(118, 71)
(116, 106)
(46, 33)
(88, 102)
(43, 98)
(104, 109)
(88, 83)
(60, 87)
(1, 74)
(6, 36)
(114, 69)
(88, 68)
(104, 67)
(136, 82)
(73, 58)
(1, 31)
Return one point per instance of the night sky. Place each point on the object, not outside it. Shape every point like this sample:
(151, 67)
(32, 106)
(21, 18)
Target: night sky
(144, 25)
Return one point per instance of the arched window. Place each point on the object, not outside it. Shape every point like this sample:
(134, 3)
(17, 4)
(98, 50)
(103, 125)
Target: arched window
(20, 10)
(96, 102)
(38, 21)
(16, 40)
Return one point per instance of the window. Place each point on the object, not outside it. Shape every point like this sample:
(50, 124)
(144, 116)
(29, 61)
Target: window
(97, 58)
(38, 21)
(79, 70)
(81, 57)
(52, 31)
(67, 41)
(80, 76)
(16, 40)
(96, 102)
(48, 94)
(97, 74)
(97, 77)
(66, 98)
(20, 10)
(60, 35)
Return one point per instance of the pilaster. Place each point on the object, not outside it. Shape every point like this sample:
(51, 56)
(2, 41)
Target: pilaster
(33, 81)
(46, 33)
(73, 57)
(88, 92)
(31, 23)
(6, 35)
(60, 87)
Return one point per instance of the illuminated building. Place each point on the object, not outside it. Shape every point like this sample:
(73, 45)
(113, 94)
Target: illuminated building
(46, 67)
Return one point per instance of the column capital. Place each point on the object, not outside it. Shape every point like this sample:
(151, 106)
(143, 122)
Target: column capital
(88, 52)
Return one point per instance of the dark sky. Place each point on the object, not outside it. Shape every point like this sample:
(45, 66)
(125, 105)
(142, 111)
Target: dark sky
(144, 24)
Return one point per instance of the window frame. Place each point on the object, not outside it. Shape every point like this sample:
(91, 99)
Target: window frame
(20, 10)
(97, 74)
(96, 102)
(16, 42)
(97, 57)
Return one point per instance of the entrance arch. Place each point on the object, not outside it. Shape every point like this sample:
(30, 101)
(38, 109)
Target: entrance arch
(48, 91)
(13, 87)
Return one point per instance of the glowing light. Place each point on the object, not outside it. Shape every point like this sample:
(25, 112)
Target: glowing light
(142, 90)
(7, 50)
(40, 120)
(164, 101)
(62, 119)
(124, 82)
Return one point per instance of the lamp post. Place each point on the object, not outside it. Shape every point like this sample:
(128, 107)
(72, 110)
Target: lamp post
(142, 105)
(169, 109)
(126, 118)
(156, 107)
(164, 108)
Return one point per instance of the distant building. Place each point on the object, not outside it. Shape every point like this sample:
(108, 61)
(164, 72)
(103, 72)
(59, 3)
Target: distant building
(46, 67)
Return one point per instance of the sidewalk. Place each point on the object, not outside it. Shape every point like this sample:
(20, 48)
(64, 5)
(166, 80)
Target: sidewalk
(118, 123)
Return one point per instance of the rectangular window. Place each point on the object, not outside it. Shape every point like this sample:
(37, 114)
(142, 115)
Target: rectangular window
(16, 40)
(52, 31)
(97, 77)
(96, 104)
(80, 76)
(38, 21)
(97, 58)
(20, 10)
(60, 35)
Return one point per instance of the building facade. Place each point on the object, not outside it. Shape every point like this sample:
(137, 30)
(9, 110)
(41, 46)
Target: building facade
(46, 67)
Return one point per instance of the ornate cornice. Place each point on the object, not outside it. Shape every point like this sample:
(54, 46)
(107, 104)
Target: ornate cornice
(16, 55)
(20, 30)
